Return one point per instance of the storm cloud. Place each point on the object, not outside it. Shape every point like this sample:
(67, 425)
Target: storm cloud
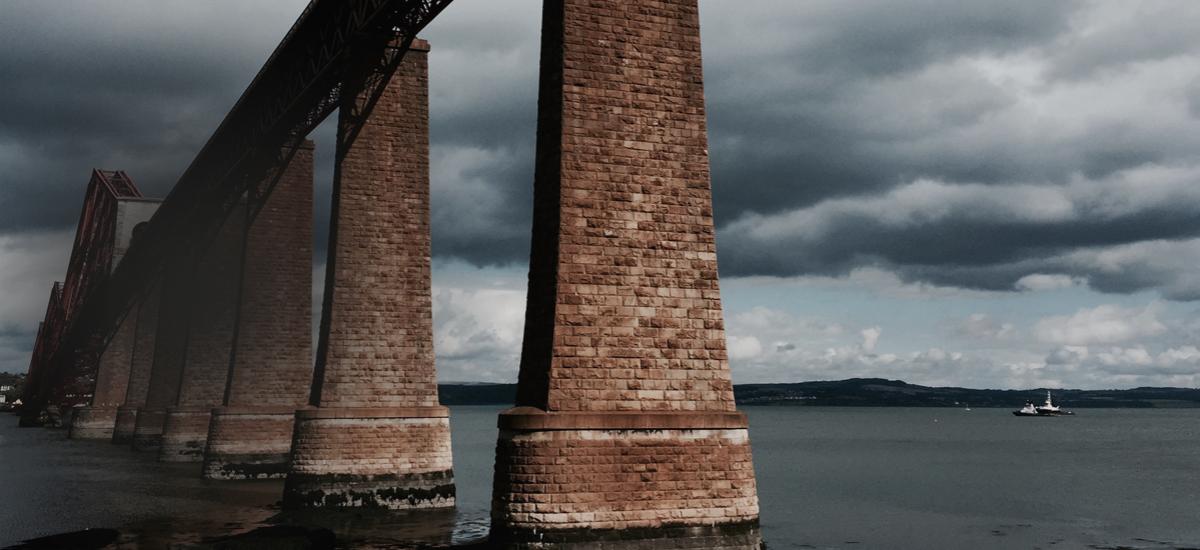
(828, 120)
(976, 145)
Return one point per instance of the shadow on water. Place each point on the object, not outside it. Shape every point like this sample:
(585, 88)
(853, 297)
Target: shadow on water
(384, 529)
(87, 539)
(357, 530)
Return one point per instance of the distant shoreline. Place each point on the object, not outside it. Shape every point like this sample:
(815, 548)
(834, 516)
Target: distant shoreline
(878, 392)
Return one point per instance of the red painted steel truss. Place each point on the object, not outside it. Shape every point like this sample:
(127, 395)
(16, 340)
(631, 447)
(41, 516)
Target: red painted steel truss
(339, 53)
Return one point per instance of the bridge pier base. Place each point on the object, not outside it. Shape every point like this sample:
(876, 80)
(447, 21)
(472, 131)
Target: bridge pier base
(409, 467)
(623, 477)
(124, 424)
(249, 443)
(93, 423)
(270, 374)
(626, 426)
(184, 434)
(148, 429)
(377, 437)
(141, 364)
(99, 418)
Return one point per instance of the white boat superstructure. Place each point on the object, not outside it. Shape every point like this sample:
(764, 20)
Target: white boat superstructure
(1046, 409)
(1049, 406)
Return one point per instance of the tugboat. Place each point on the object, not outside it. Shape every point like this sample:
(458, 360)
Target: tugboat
(1047, 409)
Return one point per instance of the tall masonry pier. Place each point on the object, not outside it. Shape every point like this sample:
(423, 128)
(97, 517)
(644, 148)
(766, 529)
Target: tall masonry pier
(270, 372)
(377, 436)
(625, 426)
(204, 367)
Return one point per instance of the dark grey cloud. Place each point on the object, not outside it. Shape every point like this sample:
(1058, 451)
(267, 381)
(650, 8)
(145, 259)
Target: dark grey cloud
(817, 143)
(1112, 39)
(119, 85)
(814, 107)
(821, 99)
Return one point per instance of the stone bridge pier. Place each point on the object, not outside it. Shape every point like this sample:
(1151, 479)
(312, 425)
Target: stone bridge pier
(170, 344)
(377, 436)
(99, 418)
(209, 343)
(625, 426)
(140, 363)
(270, 373)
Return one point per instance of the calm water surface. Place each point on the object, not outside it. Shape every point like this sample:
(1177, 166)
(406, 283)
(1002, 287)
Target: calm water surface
(828, 478)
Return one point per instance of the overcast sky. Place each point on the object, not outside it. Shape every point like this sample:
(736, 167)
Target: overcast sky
(950, 192)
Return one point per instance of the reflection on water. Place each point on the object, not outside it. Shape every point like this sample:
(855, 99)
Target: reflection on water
(67, 487)
(828, 478)
(90, 494)
(381, 528)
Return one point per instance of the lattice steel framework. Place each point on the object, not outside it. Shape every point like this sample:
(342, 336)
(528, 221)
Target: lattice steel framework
(335, 48)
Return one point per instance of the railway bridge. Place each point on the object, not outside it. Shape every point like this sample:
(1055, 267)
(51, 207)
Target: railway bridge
(187, 333)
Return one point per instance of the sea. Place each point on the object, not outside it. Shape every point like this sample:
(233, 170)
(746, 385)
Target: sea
(850, 477)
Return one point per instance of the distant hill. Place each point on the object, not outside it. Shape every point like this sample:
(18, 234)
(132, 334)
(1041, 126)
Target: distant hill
(878, 392)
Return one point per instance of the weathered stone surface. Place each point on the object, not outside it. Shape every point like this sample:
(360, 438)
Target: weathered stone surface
(205, 370)
(624, 311)
(170, 345)
(620, 479)
(140, 366)
(377, 337)
(400, 462)
(184, 435)
(270, 374)
(378, 437)
(93, 423)
(125, 423)
(624, 308)
(249, 443)
(147, 429)
(98, 420)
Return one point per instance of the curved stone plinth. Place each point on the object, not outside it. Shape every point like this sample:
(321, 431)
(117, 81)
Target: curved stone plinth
(147, 429)
(124, 425)
(249, 443)
(396, 458)
(93, 423)
(578, 477)
(67, 418)
(184, 435)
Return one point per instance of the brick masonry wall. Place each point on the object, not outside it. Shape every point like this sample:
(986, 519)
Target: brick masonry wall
(112, 378)
(271, 371)
(397, 463)
(147, 429)
(377, 340)
(140, 364)
(624, 307)
(618, 479)
(93, 423)
(130, 213)
(142, 360)
(378, 438)
(170, 344)
(125, 425)
(184, 436)
(213, 318)
(248, 445)
(272, 360)
(625, 425)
